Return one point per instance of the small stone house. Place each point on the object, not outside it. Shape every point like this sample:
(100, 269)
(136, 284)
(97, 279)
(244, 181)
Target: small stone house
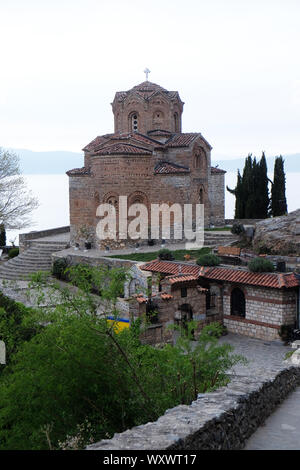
(251, 304)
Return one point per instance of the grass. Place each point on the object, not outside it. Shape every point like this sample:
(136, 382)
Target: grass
(149, 256)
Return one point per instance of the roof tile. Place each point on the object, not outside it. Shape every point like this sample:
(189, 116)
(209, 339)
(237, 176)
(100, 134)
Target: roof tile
(164, 168)
(240, 276)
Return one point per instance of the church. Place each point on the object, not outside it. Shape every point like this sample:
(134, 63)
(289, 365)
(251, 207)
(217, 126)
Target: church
(148, 159)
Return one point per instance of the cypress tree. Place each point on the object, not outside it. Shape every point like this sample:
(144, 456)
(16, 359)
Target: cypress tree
(263, 200)
(248, 187)
(251, 191)
(279, 204)
(2, 235)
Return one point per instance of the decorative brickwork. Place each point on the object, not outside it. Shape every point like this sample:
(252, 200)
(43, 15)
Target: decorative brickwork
(147, 153)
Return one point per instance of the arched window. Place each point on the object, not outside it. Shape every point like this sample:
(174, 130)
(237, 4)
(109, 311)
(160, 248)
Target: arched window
(134, 121)
(176, 122)
(197, 161)
(201, 196)
(237, 303)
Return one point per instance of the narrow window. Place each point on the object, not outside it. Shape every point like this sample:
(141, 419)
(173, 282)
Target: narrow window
(183, 292)
(238, 303)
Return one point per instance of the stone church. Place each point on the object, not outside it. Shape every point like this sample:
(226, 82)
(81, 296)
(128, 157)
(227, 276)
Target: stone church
(148, 159)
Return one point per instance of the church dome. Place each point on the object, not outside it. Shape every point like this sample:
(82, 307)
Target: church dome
(146, 107)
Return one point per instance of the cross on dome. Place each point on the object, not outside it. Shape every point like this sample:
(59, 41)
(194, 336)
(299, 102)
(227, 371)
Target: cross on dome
(147, 71)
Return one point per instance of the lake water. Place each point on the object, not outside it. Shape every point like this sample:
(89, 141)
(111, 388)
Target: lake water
(52, 192)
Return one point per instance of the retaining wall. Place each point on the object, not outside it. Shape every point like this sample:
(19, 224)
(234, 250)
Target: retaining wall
(222, 420)
(24, 238)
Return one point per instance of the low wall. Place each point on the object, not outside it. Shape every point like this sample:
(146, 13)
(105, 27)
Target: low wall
(24, 238)
(222, 420)
(242, 221)
(76, 257)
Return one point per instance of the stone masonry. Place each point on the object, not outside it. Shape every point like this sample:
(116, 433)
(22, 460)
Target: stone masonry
(147, 159)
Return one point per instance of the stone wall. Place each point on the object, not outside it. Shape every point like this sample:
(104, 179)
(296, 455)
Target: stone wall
(221, 420)
(25, 238)
(133, 176)
(77, 257)
(242, 221)
(217, 198)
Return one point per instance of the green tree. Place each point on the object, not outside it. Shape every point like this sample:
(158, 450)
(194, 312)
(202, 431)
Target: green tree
(278, 197)
(251, 191)
(263, 200)
(78, 379)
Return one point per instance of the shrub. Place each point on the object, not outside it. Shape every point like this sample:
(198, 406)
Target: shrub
(286, 333)
(165, 254)
(237, 229)
(59, 268)
(260, 265)
(13, 252)
(208, 260)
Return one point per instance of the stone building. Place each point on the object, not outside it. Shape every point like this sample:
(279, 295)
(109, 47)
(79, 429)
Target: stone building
(148, 159)
(251, 304)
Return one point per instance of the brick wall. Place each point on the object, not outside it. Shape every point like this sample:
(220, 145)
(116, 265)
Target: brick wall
(266, 310)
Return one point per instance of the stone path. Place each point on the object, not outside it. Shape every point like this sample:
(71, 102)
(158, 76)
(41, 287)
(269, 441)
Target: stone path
(282, 429)
(263, 356)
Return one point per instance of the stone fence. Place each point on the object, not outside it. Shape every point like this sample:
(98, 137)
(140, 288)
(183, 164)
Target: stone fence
(25, 238)
(221, 420)
(92, 259)
(242, 221)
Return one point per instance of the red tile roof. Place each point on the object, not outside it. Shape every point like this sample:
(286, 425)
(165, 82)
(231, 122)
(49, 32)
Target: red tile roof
(146, 142)
(146, 90)
(168, 168)
(272, 280)
(182, 278)
(121, 149)
(182, 140)
(79, 172)
(171, 267)
(239, 276)
(159, 132)
(141, 299)
(215, 170)
(101, 139)
(165, 296)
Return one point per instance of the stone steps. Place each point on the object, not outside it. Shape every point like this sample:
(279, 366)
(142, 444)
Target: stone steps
(219, 238)
(36, 258)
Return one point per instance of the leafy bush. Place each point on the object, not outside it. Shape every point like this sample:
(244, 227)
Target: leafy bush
(286, 333)
(165, 254)
(237, 229)
(13, 252)
(260, 265)
(208, 260)
(13, 329)
(59, 268)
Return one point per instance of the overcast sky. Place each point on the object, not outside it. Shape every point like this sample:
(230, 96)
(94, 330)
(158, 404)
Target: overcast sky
(235, 63)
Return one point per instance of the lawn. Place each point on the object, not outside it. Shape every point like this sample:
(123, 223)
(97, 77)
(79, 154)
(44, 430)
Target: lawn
(149, 256)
